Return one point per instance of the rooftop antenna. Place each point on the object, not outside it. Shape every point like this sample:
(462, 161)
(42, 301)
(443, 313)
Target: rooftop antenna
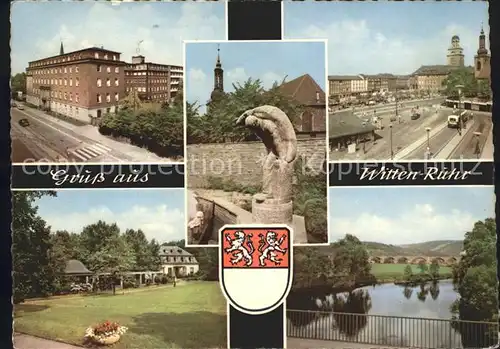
(138, 49)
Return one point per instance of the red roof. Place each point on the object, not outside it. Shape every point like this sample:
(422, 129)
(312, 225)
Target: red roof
(304, 90)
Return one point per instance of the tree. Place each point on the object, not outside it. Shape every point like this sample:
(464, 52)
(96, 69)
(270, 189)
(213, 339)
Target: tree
(423, 267)
(18, 84)
(434, 270)
(218, 124)
(32, 271)
(464, 77)
(408, 273)
(475, 280)
(141, 249)
(148, 125)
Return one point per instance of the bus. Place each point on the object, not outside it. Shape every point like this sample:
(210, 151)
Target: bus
(456, 121)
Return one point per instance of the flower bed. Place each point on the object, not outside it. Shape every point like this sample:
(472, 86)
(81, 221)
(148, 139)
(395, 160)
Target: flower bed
(105, 333)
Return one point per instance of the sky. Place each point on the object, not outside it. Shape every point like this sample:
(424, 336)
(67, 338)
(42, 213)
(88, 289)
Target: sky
(267, 61)
(158, 213)
(404, 215)
(39, 27)
(387, 37)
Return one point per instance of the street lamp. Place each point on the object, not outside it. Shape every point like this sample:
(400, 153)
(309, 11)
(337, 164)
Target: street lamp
(396, 98)
(392, 151)
(459, 88)
(477, 149)
(428, 129)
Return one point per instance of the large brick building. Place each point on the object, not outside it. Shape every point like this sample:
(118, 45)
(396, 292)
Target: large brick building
(88, 83)
(153, 82)
(83, 84)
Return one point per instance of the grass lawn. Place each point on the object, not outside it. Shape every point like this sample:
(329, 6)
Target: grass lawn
(395, 271)
(189, 316)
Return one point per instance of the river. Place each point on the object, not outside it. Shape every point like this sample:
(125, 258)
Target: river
(385, 315)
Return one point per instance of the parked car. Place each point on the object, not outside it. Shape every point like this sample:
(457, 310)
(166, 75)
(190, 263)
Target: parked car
(415, 115)
(24, 122)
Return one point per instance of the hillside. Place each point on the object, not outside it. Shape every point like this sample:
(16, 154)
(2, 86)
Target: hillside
(428, 248)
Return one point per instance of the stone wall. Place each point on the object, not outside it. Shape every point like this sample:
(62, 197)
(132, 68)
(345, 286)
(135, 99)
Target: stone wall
(242, 162)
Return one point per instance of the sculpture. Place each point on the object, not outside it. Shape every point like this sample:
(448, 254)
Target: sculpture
(273, 127)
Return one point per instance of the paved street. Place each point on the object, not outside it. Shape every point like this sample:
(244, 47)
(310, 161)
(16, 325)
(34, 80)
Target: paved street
(409, 137)
(49, 139)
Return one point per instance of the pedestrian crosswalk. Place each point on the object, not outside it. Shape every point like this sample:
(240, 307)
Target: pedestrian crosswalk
(88, 152)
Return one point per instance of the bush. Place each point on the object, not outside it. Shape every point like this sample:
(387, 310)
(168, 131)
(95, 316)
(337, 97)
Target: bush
(315, 213)
(229, 185)
(130, 282)
(164, 279)
(160, 130)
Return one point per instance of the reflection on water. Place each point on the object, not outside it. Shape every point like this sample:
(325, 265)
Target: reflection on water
(386, 306)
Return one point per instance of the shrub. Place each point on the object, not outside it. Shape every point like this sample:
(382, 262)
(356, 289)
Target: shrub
(315, 213)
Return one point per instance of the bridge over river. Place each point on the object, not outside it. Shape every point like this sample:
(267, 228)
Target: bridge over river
(441, 260)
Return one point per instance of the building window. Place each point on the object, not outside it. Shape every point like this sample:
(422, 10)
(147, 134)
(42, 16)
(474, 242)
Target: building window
(108, 97)
(114, 57)
(98, 98)
(99, 68)
(60, 95)
(99, 83)
(65, 95)
(77, 82)
(70, 70)
(76, 69)
(65, 70)
(117, 69)
(108, 110)
(108, 69)
(117, 96)
(71, 96)
(108, 82)
(70, 82)
(105, 56)
(116, 82)
(65, 82)
(77, 97)
(60, 82)
(96, 55)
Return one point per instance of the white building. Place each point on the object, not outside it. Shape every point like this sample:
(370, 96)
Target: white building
(178, 262)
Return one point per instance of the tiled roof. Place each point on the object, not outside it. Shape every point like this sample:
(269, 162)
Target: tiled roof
(347, 126)
(168, 250)
(434, 70)
(75, 267)
(344, 77)
(303, 90)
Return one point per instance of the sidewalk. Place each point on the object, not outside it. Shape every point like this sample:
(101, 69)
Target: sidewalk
(487, 152)
(299, 343)
(448, 149)
(24, 341)
(400, 155)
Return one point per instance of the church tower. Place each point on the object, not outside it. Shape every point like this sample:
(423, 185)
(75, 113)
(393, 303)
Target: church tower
(482, 67)
(455, 56)
(61, 49)
(218, 90)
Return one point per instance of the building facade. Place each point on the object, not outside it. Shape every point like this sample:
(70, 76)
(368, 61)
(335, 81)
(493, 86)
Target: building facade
(306, 92)
(83, 84)
(430, 78)
(178, 262)
(153, 82)
(482, 64)
(455, 56)
(339, 87)
(359, 85)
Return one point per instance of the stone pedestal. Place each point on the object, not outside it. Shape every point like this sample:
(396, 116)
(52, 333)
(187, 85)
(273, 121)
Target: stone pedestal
(271, 211)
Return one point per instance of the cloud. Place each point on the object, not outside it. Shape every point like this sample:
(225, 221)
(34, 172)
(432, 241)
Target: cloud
(420, 223)
(120, 28)
(160, 222)
(354, 47)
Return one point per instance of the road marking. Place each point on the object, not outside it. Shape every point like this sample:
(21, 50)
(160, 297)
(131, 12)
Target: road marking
(60, 131)
(89, 152)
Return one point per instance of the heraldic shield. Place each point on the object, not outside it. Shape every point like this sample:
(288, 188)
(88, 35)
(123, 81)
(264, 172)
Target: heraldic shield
(255, 266)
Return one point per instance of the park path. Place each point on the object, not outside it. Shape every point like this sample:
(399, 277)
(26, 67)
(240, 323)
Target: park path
(24, 341)
(299, 343)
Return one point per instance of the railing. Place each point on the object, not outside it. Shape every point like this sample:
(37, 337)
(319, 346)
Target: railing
(395, 331)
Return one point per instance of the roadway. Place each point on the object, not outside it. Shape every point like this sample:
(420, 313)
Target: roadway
(48, 139)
